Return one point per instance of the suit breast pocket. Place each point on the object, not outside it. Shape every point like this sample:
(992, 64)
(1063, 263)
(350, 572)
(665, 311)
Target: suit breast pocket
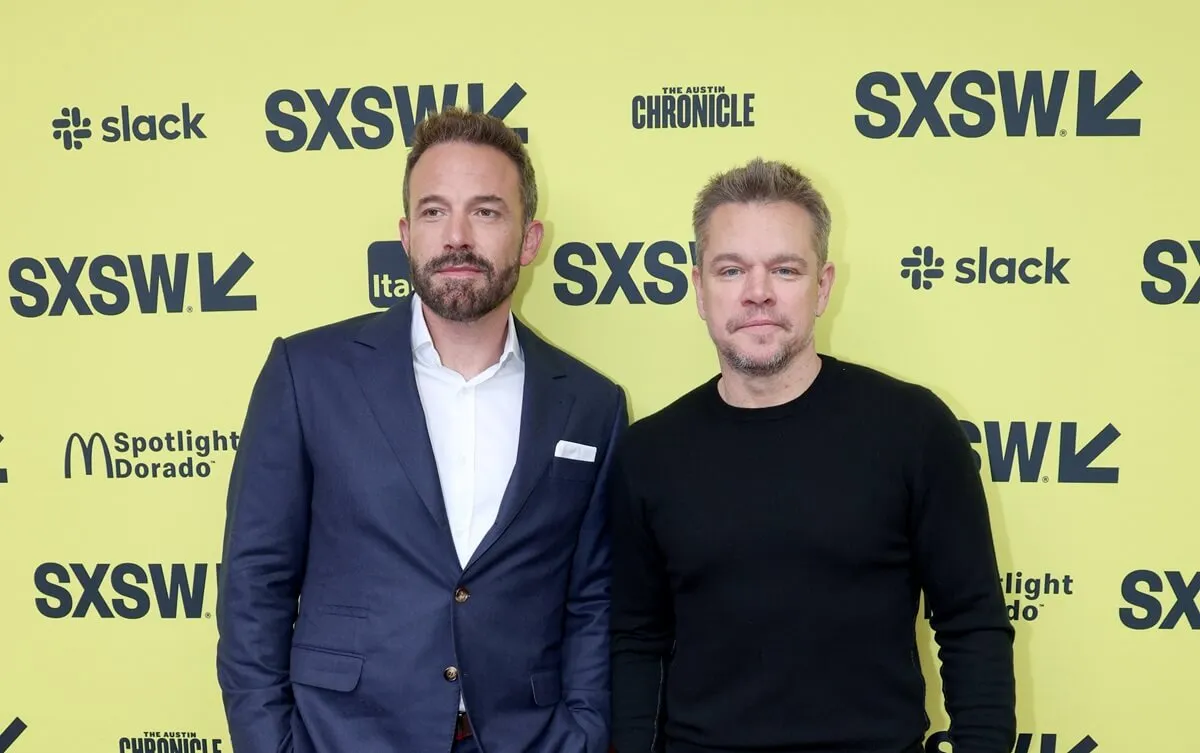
(573, 470)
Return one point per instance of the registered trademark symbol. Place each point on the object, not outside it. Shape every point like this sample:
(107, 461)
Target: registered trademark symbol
(189, 309)
(1062, 132)
(1045, 479)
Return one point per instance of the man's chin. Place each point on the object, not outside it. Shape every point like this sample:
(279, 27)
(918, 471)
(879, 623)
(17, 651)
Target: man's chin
(461, 303)
(762, 361)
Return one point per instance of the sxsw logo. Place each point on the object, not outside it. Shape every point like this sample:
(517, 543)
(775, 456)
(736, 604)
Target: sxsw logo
(970, 98)
(1178, 609)
(1024, 445)
(1173, 271)
(375, 112)
(389, 278)
(143, 283)
(126, 590)
(923, 267)
(10, 734)
(1027, 742)
(72, 128)
(606, 272)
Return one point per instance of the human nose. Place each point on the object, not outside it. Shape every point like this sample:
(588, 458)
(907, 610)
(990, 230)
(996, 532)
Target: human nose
(757, 290)
(458, 231)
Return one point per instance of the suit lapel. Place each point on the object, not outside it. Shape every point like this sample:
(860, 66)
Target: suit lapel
(385, 372)
(546, 404)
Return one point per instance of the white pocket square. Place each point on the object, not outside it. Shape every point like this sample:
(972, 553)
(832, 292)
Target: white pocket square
(573, 451)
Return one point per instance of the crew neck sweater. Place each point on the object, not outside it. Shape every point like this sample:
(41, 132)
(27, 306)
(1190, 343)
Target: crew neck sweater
(768, 565)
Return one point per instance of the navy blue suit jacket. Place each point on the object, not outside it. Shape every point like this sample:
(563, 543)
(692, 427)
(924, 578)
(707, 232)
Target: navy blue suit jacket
(339, 626)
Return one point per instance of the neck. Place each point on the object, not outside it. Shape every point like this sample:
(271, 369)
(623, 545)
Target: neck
(469, 347)
(748, 391)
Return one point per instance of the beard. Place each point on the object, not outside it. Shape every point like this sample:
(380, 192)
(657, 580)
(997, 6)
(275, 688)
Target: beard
(760, 367)
(765, 366)
(465, 300)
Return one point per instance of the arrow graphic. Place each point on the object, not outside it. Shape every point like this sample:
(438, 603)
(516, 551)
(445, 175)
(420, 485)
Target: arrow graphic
(10, 735)
(1095, 117)
(1075, 465)
(1050, 744)
(3, 480)
(215, 294)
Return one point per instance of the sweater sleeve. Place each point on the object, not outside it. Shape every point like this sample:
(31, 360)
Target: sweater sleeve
(956, 562)
(642, 620)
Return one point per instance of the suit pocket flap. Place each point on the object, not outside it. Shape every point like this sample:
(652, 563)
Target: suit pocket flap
(547, 687)
(572, 470)
(325, 669)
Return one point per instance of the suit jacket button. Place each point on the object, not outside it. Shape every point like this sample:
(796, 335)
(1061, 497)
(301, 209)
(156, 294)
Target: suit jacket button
(461, 594)
(451, 674)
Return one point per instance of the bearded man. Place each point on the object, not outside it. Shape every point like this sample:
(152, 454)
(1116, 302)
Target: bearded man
(416, 548)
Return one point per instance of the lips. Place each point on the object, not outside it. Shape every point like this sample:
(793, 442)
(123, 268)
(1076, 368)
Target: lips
(759, 323)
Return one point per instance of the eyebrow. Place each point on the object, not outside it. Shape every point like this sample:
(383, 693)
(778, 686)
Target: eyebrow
(796, 259)
(481, 199)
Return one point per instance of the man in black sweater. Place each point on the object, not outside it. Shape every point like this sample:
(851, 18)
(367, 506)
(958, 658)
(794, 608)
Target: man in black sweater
(774, 527)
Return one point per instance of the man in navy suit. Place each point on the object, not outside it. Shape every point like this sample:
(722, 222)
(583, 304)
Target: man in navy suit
(416, 549)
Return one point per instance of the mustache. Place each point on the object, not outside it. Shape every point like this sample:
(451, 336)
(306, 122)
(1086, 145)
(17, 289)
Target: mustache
(457, 258)
(735, 324)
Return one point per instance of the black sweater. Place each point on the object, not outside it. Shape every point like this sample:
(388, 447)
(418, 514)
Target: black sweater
(768, 564)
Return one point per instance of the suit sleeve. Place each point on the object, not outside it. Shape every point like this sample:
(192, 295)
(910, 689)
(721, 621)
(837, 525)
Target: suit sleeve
(586, 674)
(264, 547)
(956, 560)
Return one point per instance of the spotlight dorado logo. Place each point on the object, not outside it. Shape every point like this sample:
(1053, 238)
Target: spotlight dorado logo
(174, 454)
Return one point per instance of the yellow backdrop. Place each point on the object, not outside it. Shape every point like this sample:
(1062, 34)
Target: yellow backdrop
(180, 185)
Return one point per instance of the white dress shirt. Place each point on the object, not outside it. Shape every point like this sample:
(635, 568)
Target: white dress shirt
(474, 426)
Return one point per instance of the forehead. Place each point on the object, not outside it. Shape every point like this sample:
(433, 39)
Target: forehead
(465, 167)
(761, 229)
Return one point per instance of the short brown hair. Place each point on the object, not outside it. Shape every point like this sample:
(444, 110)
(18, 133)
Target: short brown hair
(456, 124)
(759, 181)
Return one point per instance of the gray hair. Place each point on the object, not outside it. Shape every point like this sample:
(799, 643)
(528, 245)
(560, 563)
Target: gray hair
(759, 181)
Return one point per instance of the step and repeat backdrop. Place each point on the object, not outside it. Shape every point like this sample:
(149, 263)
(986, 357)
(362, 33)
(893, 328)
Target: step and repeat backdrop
(1015, 225)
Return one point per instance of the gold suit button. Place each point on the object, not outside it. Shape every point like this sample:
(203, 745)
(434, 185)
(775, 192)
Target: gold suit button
(461, 594)
(451, 674)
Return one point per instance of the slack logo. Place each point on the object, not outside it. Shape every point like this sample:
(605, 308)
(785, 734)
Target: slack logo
(72, 128)
(388, 274)
(923, 267)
